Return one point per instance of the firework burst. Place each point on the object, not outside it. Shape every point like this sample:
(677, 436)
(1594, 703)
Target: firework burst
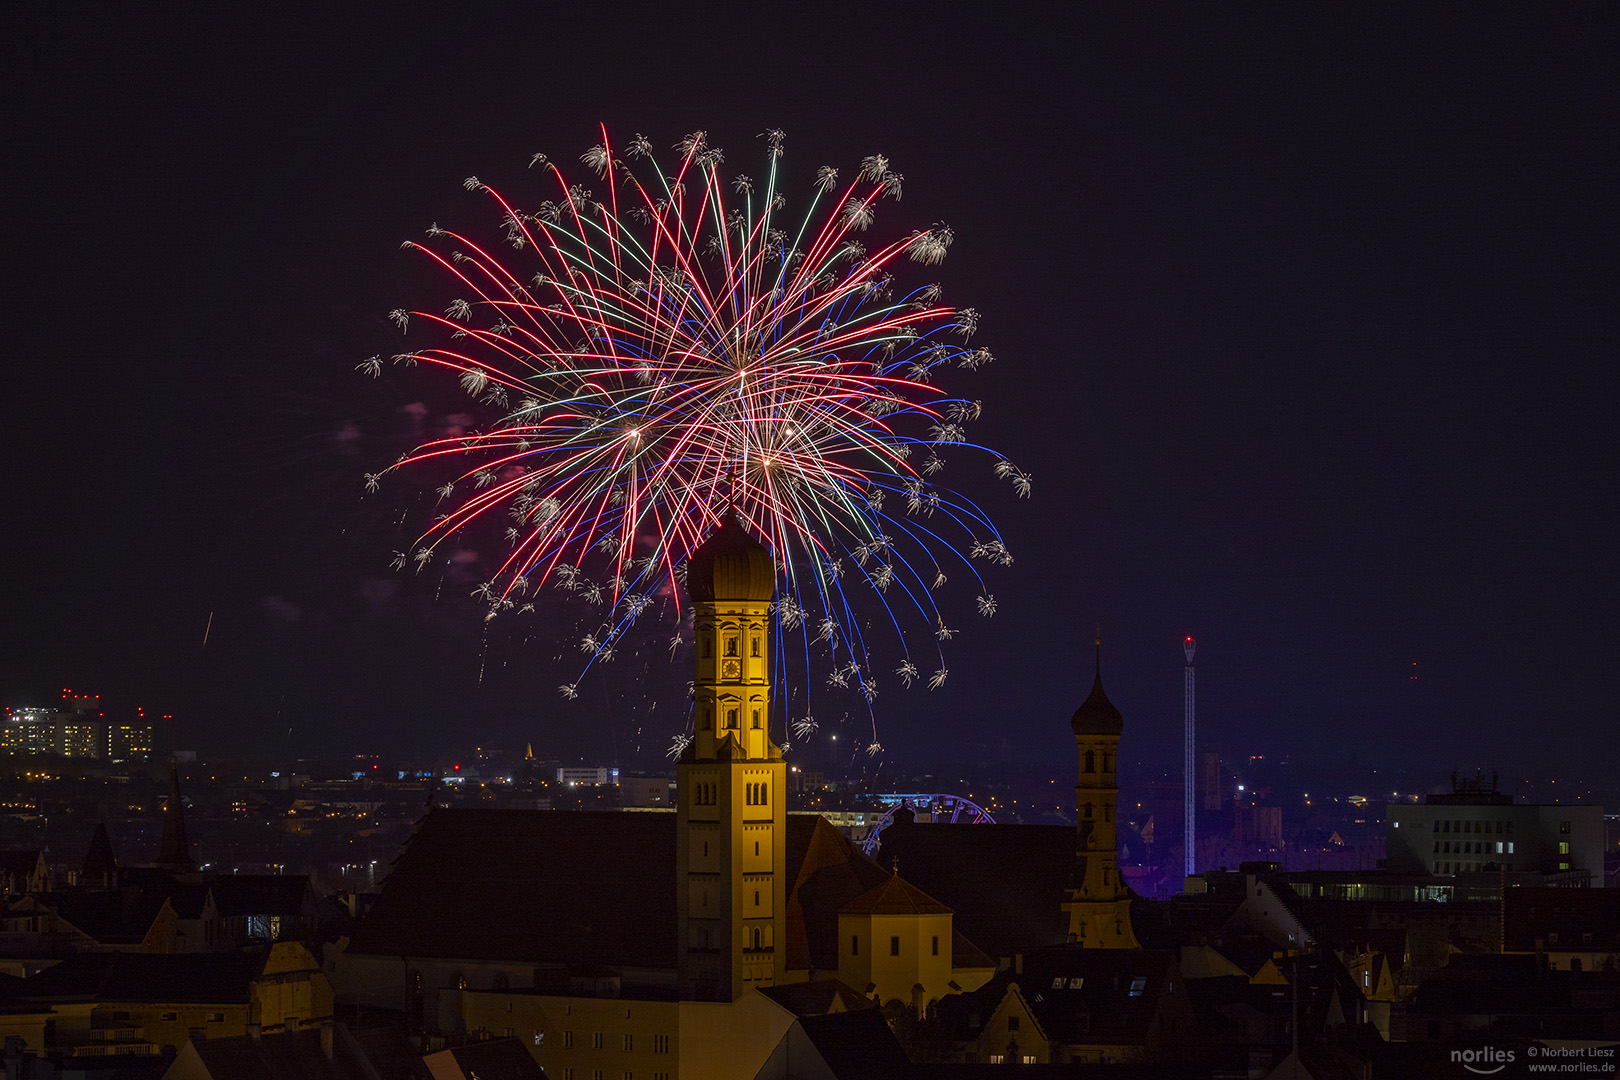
(645, 354)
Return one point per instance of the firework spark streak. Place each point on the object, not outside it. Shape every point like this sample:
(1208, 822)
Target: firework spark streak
(676, 342)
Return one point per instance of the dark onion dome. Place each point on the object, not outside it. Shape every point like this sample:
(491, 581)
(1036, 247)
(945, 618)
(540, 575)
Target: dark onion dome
(1097, 715)
(730, 565)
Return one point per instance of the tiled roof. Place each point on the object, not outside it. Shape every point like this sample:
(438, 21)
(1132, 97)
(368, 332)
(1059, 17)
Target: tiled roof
(197, 978)
(895, 896)
(19, 861)
(1004, 882)
(497, 1059)
(530, 886)
(292, 1056)
(818, 998)
(826, 871)
(857, 1045)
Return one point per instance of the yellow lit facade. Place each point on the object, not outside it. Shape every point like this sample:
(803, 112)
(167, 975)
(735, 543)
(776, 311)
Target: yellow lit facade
(731, 812)
(1099, 905)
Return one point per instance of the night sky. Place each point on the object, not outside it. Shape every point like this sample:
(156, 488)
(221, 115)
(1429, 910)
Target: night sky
(1304, 317)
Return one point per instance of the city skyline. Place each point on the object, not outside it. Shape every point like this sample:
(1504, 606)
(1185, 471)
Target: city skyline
(1299, 325)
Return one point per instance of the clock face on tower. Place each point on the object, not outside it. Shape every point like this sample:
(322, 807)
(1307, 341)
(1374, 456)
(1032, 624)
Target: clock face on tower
(730, 669)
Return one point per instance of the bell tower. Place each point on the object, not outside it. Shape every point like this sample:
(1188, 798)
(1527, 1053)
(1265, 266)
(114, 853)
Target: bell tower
(1099, 905)
(731, 781)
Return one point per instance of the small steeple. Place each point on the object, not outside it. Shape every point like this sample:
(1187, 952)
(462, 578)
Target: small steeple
(175, 854)
(1097, 715)
(100, 868)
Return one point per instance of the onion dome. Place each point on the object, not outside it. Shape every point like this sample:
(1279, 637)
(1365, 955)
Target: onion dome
(1097, 715)
(730, 565)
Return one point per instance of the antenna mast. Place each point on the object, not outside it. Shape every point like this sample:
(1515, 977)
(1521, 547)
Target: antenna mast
(1188, 764)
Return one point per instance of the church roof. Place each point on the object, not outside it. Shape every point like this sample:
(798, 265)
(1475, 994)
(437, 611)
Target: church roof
(1097, 715)
(1004, 882)
(895, 896)
(730, 565)
(530, 886)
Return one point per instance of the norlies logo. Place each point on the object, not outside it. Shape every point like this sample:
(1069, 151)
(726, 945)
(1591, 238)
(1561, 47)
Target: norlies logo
(1485, 1061)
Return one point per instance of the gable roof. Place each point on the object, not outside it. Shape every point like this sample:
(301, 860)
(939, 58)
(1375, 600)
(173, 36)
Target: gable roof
(1004, 882)
(530, 886)
(573, 887)
(818, 998)
(200, 978)
(20, 862)
(496, 1059)
(261, 894)
(1079, 995)
(294, 1055)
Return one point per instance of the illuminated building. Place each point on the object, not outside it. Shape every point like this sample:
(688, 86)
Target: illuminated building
(731, 831)
(1099, 905)
(1477, 828)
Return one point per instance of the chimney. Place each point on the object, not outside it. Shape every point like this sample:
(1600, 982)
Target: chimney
(1018, 964)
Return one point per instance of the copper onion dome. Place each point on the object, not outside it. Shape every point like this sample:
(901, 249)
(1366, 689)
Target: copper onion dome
(730, 565)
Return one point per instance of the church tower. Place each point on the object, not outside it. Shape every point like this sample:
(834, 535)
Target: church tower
(1099, 906)
(731, 814)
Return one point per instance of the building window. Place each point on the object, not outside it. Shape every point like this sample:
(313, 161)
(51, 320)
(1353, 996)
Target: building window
(597, 1040)
(1088, 811)
(894, 946)
(216, 1018)
(731, 646)
(1091, 762)
(764, 800)
(855, 945)
(1138, 986)
(755, 643)
(629, 1043)
(510, 1032)
(660, 1044)
(568, 1039)
(1563, 828)
(1563, 847)
(936, 945)
(731, 718)
(169, 1016)
(708, 647)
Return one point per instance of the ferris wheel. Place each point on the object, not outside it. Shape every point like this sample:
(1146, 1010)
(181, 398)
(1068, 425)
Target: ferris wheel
(935, 809)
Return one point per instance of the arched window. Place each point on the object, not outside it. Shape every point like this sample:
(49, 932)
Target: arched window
(755, 643)
(1108, 763)
(763, 801)
(731, 645)
(1091, 762)
(1088, 811)
(731, 718)
(756, 719)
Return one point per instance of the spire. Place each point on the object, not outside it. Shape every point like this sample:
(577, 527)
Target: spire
(100, 867)
(175, 854)
(1097, 715)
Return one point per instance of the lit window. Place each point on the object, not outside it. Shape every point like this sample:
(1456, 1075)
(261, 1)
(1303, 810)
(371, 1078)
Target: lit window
(894, 946)
(1139, 986)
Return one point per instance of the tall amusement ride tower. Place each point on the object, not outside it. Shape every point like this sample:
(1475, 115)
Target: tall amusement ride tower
(1188, 762)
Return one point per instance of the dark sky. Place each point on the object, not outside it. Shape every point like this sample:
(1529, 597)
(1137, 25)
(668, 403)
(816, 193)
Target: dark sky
(1305, 319)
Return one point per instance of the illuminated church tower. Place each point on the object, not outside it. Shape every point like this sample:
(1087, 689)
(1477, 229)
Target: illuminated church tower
(731, 852)
(1099, 905)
